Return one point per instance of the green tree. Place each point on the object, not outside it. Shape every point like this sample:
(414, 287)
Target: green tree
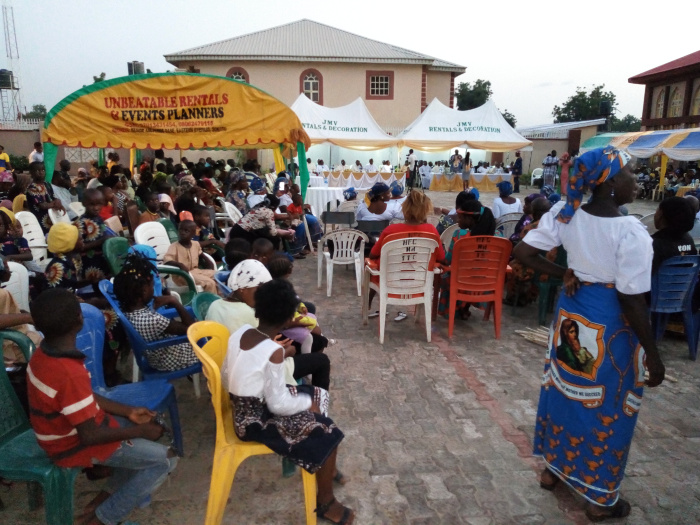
(510, 118)
(472, 96)
(38, 112)
(584, 105)
(626, 123)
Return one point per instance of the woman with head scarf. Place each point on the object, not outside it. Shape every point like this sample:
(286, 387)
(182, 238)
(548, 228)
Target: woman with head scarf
(238, 190)
(504, 203)
(609, 258)
(375, 207)
(397, 199)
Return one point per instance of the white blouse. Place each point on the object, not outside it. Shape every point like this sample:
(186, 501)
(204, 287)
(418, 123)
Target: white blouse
(600, 249)
(501, 208)
(249, 373)
(363, 213)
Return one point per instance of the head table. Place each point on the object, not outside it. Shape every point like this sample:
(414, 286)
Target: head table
(362, 180)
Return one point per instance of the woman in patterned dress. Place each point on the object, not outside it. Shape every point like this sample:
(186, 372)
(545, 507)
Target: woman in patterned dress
(40, 197)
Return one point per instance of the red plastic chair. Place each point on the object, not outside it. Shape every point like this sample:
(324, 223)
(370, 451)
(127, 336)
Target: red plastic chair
(478, 273)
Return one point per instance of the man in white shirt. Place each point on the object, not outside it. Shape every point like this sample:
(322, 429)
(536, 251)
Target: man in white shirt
(386, 167)
(342, 166)
(322, 169)
(411, 160)
(371, 168)
(37, 155)
(437, 169)
(481, 168)
(357, 168)
(310, 166)
(61, 184)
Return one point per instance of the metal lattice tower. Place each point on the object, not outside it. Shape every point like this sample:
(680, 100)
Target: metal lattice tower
(10, 101)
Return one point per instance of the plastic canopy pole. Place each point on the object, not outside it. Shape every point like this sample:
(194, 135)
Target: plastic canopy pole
(132, 158)
(303, 169)
(101, 157)
(50, 154)
(662, 175)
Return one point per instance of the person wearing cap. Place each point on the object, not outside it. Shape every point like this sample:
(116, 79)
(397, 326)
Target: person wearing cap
(602, 311)
(375, 206)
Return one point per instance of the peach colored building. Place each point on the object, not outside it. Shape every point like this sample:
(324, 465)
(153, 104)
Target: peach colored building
(671, 94)
(332, 67)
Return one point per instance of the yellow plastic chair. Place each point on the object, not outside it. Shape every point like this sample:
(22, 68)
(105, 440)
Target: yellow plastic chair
(230, 451)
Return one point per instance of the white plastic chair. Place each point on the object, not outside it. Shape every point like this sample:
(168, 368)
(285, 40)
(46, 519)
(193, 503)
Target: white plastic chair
(508, 217)
(18, 285)
(507, 228)
(78, 208)
(232, 212)
(344, 252)
(446, 236)
(648, 222)
(35, 237)
(537, 174)
(154, 235)
(57, 216)
(405, 278)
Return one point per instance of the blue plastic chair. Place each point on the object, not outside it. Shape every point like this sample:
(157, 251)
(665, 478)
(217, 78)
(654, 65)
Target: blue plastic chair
(672, 291)
(21, 457)
(221, 279)
(156, 394)
(139, 346)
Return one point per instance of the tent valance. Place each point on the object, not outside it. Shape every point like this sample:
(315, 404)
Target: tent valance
(681, 144)
(439, 128)
(351, 126)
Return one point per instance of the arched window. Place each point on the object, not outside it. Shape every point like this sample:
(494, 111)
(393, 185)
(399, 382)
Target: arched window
(675, 108)
(311, 85)
(695, 110)
(238, 73)
(660, 99)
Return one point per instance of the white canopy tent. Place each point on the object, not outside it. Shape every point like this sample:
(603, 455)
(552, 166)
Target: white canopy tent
(351, 126)
(440, 128)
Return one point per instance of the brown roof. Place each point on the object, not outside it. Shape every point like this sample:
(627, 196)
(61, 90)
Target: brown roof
(675, 66)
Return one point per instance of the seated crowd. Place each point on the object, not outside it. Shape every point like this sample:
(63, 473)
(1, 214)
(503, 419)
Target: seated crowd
(272, 328)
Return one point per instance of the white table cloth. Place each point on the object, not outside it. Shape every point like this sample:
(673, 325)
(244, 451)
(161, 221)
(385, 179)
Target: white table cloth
(362, 181)
(316, 182)
(319, 197)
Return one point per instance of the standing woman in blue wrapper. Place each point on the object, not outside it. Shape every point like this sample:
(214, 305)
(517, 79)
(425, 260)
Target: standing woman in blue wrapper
(586, 414)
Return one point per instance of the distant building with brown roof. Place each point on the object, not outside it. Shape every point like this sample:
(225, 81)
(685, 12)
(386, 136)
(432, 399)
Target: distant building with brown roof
(672, 94)
(332, 67)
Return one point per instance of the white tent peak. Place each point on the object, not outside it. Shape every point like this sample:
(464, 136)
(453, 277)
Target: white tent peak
(350, 126)
(439, 128)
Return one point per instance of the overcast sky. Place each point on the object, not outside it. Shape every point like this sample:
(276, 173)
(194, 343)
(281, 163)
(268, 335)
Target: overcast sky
(534, 53)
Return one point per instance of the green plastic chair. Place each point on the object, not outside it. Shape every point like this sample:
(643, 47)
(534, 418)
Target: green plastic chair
(21, 457)
(201, 303)
(185, 297)
(115, 249)
(170, 229)
(140, 204)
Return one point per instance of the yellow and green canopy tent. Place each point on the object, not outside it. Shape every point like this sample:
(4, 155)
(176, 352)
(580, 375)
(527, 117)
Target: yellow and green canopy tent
(173, 111)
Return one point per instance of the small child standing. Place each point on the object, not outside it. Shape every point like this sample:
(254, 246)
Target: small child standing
(185, 253)
(76, 427)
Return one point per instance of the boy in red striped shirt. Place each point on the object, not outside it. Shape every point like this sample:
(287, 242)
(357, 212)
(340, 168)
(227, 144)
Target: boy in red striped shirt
(76, 427)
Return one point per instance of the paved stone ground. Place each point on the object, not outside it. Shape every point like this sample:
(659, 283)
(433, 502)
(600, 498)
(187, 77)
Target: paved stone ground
(436, 432)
